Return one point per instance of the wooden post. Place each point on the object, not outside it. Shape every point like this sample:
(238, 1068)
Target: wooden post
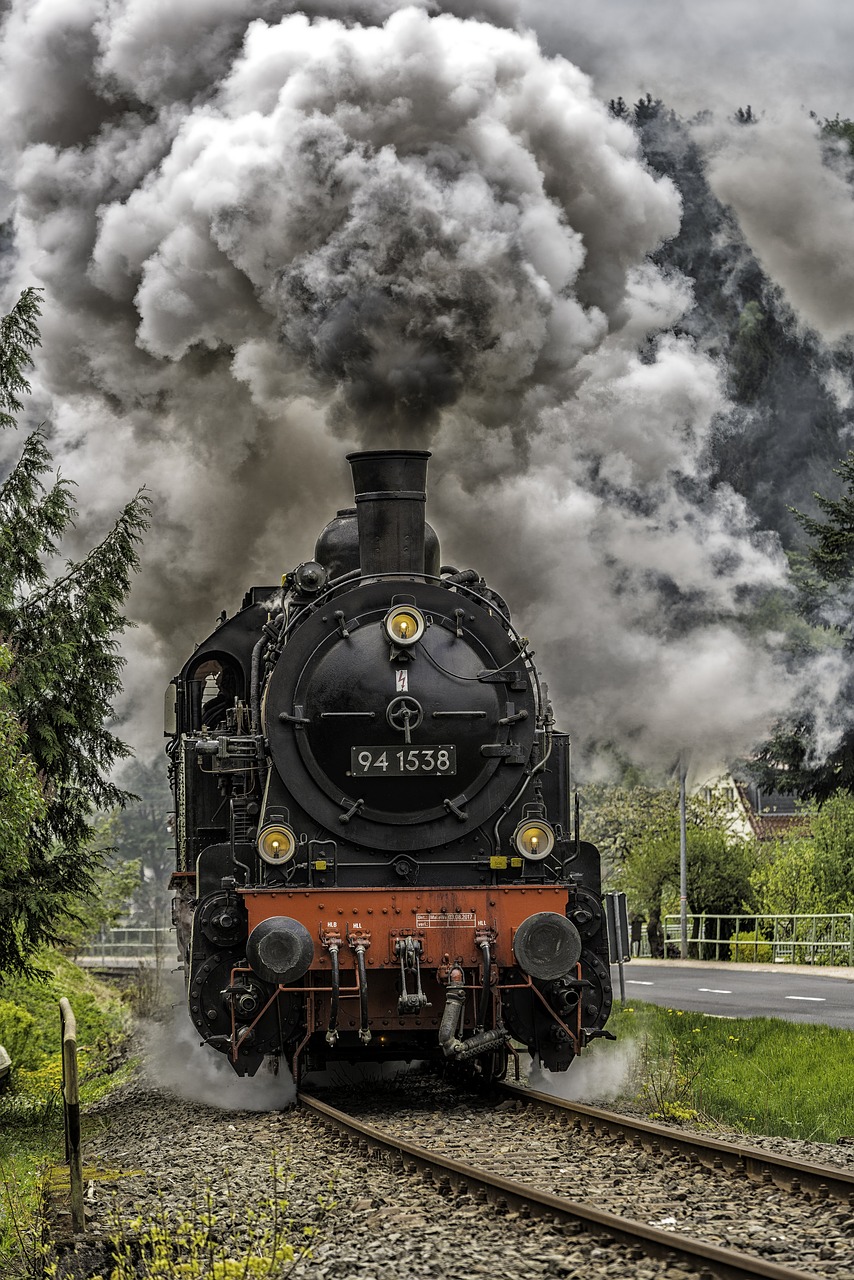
(683, 867)
(71, 1113)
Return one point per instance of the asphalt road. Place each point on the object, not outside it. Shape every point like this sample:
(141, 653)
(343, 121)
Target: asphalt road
(794, 992)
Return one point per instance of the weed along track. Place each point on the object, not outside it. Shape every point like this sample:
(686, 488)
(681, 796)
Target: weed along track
(535, 1158)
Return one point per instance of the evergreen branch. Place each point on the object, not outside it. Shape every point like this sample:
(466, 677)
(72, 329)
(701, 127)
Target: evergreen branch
(19, 336)
(116, 552)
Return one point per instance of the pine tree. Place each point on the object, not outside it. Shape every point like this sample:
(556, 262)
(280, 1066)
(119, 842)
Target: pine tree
(838, 129)
(789, 761)
(832, 552)
(63, 633)
(647, 109)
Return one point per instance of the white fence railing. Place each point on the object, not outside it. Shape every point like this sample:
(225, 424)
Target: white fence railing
(778, 939)
(127, 944)
(781, 939)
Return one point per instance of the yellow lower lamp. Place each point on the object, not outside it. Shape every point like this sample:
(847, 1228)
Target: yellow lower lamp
(534, 839)
(277, 844)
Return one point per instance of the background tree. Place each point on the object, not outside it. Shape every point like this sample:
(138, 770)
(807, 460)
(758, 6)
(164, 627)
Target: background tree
(141, 835)
(839, 129)
(832, 550)
(21, 799)
(751, 352)
(114, 883)
(63, 633)
(812, 871)
(790, 760)
(637, 829)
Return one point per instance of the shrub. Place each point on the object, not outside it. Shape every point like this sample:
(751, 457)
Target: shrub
(750, 945)
(16, 1034)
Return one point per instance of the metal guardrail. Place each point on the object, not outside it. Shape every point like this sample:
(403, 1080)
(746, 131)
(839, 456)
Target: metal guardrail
(780, 939)
(793, 939)
(131, 943)
(71, 1112)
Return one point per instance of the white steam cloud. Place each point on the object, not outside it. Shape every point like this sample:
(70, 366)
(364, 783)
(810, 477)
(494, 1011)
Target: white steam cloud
(709, 54)
(601, 1074)
(796, 212)
(176, 1061)
(266, 236)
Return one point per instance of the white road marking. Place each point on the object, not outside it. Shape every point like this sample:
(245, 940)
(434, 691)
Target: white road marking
(636, 982)
(715, 991)
(813, 999)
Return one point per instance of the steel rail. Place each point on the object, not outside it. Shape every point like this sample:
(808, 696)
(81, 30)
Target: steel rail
(819, 1180)
(708, 1259)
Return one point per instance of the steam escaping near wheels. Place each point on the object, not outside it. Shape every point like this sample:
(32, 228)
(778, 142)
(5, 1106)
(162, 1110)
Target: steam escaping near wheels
(174, 1060)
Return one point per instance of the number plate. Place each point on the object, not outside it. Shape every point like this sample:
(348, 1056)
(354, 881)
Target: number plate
(402, 762)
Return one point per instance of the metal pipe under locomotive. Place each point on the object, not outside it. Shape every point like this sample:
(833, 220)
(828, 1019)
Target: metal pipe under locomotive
(374, 854)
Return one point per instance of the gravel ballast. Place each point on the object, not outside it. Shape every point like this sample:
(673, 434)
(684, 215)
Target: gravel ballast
(175, 1153)
(385, 1224)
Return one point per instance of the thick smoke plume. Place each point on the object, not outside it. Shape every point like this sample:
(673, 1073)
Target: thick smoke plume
(790, 65)
(266, 236)
(711, 55)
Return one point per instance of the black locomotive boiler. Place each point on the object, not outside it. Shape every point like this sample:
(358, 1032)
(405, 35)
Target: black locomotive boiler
(375, 858)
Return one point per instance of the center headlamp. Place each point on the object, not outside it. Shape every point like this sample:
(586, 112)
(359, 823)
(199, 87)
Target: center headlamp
(534, 838)
(276, 843)
(404, 624)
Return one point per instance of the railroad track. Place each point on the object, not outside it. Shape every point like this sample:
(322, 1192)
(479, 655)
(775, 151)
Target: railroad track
(638, 1238)
(796, 1176)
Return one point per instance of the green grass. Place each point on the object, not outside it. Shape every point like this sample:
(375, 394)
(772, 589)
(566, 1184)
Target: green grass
(99, 1011)
(754, 1075)
(31, 1129)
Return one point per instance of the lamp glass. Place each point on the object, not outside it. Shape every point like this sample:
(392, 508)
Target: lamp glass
(277, 844)
(534, 839)
(404, 624)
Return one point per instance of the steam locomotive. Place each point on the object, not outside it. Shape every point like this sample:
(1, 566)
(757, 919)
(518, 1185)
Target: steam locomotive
(374, 854)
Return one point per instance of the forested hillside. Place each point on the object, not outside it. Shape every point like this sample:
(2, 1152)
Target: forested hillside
(792, 395)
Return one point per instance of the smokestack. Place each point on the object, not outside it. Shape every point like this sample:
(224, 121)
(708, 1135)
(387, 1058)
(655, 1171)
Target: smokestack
(390, 488)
